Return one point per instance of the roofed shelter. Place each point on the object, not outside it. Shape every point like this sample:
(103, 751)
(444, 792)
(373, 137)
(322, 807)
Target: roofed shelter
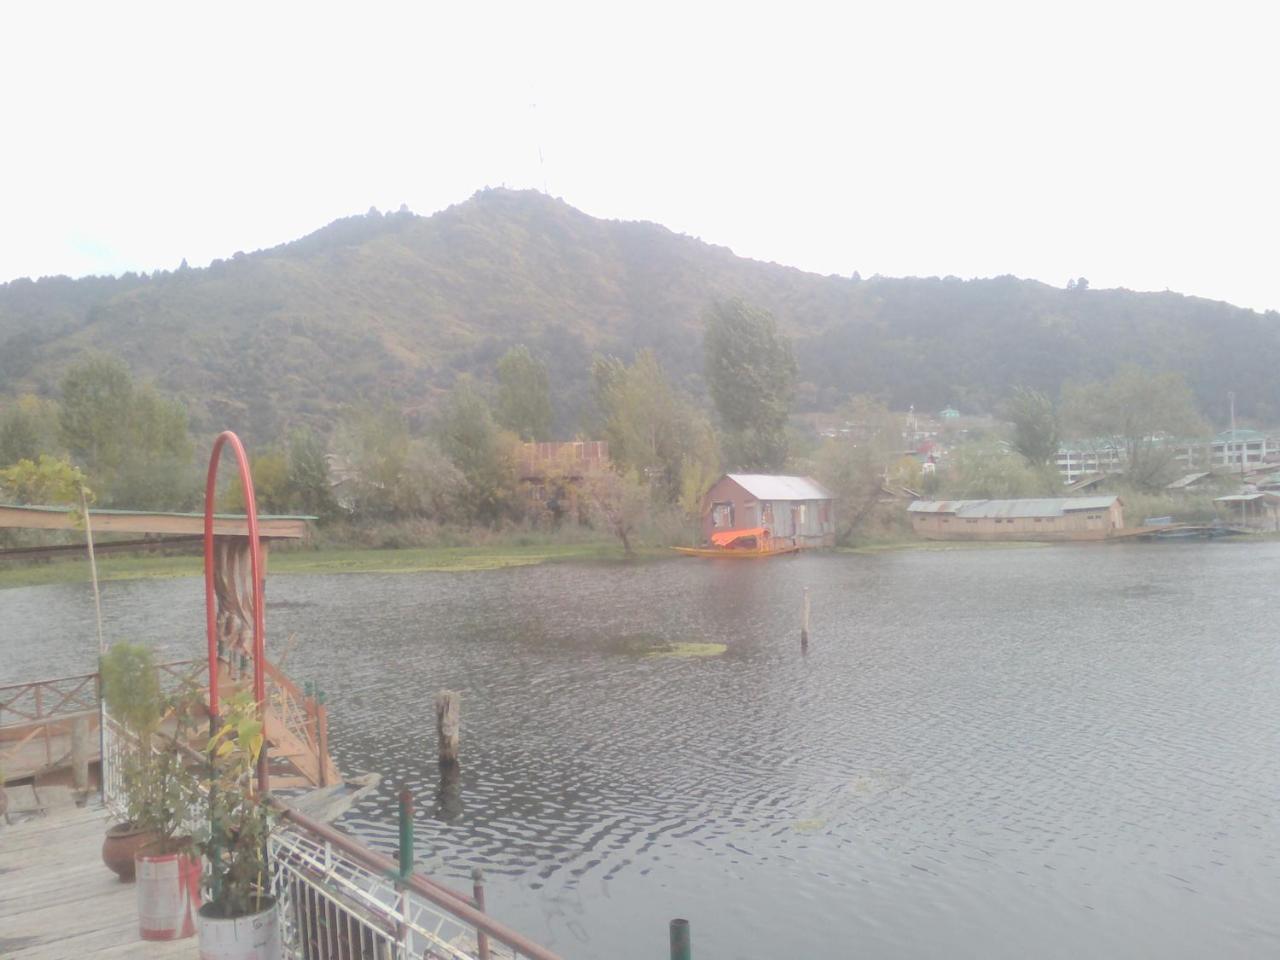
(795, 509)
(1060, 518)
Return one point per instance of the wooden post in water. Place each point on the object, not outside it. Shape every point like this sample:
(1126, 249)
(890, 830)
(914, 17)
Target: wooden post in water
(80, 753)
(804, 623)
(448, 721)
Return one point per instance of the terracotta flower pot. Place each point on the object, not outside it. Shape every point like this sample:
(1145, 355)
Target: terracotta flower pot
(122, 842)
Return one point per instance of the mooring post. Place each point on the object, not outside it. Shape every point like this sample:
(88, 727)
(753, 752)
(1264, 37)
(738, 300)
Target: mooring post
(448, 720)
(477, 891)
(406, 862)
(804, 622)
(406, 833)
(80, 753)
(680, 943)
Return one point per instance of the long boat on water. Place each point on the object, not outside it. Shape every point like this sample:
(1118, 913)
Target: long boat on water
(751, 543)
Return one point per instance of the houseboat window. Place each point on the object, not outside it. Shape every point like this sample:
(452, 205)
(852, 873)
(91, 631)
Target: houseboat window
(722, 515)
(766, 515)
(970, 521)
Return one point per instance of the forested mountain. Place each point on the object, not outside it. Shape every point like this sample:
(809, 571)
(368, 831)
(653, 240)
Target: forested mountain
(396, 306)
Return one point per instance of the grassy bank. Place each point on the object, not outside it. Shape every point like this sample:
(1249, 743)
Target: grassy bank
(328, 560)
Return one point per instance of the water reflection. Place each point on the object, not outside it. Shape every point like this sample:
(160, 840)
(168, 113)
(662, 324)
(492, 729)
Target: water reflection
(1041, 752)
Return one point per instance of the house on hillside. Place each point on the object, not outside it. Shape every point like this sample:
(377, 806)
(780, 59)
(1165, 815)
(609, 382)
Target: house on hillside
(795, 509)
(1062, 518)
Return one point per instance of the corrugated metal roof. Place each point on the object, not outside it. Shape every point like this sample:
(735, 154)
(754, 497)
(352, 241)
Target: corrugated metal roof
(1184, 482)
(979, 509)
(1242, 435)
(1240, 498)
(765, 486)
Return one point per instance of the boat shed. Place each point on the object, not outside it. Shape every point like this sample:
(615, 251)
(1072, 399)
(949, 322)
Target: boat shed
(798, 510)
(1061, 518)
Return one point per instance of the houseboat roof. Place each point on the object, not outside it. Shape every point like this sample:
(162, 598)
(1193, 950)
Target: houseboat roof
(980, 509)
(765, 486)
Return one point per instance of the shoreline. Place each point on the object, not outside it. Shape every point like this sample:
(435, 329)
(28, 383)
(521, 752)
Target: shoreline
(466, 559)
(284, 562)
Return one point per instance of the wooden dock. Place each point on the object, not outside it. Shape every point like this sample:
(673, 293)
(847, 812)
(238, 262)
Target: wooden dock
(58, 900)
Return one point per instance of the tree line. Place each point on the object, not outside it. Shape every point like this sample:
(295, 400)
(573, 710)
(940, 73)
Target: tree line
(378, 464)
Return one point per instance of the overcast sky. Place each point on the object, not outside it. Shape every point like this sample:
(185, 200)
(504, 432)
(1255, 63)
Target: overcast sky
(1132, 144)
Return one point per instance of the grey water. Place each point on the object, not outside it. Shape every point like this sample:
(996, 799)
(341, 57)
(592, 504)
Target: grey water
(1052, 752)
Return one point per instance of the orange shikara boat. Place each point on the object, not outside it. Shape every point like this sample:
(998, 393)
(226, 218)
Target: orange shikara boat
(750, 543)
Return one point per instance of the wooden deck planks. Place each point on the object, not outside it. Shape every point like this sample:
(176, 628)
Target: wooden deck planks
(58, 900)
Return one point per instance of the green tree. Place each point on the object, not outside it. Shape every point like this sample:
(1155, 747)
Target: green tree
(619, 503)
(483, 454)
(132, 441)
(371, 450)
(751, 373)
(855, 467)
(653, 431)
(272, 491)
(992, 471)
(47, 480)
(97, 407)
(309, 480)
(1036, 433)
(1143, 411)
(19, 436)
(524, 395)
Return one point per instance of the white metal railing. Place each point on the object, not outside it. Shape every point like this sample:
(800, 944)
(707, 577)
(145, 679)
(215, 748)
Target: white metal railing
(333, 907)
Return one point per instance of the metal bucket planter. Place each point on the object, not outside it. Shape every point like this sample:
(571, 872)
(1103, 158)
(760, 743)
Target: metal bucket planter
(123, 841)
(253, 937)
(168, 894)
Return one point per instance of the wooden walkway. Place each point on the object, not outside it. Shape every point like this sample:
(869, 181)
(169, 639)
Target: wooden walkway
(58, 900)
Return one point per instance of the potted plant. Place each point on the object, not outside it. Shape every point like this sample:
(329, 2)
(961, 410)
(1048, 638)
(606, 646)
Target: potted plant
(239, 918)
(166, 795)
(133, 699)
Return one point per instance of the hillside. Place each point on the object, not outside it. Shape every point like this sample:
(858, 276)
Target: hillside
(396, 306)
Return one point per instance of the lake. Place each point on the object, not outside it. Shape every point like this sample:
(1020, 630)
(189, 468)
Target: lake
(1045, 751)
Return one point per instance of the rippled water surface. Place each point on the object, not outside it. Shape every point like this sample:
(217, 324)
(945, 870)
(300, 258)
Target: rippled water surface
(1042, 752)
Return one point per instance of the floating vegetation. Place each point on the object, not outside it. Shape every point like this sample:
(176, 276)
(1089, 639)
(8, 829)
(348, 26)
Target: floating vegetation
(689, 650)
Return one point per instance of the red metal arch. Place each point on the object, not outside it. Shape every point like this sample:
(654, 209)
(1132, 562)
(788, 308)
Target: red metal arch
(210, 599)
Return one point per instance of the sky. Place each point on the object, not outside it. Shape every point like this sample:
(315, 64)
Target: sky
(1133, 144)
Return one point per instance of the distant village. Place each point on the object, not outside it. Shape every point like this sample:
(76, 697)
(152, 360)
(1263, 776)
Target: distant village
(1238, 471)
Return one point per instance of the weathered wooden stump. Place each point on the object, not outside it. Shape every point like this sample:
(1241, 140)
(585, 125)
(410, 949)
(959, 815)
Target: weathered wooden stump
(448, 724)
(80, 753)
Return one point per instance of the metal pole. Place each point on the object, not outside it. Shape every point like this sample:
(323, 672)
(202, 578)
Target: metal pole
(102, 649)
(406, 833)
(680, 943)
(477, 893)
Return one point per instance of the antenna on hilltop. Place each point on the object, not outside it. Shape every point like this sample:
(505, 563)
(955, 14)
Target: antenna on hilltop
(537, 136)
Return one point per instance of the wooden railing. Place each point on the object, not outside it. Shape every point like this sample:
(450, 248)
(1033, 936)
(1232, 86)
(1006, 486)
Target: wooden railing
(37, 700)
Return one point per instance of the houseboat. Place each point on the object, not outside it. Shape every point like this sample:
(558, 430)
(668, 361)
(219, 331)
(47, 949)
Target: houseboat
(1061, 518)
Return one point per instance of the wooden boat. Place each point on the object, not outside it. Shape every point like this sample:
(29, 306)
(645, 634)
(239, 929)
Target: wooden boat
(751, 543)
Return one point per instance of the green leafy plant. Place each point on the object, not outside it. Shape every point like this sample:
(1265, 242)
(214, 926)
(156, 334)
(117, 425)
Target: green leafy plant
(239, 819)
(161, 791)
